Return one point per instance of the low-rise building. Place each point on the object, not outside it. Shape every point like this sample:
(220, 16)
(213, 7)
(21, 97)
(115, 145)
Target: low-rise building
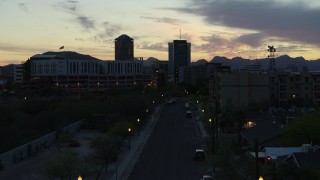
(73, 71)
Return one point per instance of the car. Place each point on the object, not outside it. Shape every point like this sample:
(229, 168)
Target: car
(199, 155)
(188, 114)
(206, 177)
(171, 101)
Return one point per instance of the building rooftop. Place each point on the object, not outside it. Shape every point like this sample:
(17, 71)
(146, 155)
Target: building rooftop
(305, 160)
(124, 37)
(263, 131)
(62, 55)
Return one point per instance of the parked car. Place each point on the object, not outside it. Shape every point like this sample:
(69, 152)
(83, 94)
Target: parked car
(188, 114)
(171, 101)
(206, 177)
(199, 155)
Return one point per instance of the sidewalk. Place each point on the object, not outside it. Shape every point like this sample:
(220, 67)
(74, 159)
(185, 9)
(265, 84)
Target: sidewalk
(123, 167)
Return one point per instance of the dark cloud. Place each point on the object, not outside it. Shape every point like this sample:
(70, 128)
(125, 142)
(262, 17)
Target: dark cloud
(109, 30)
(253, 40)
(213, 43)
(291, 48)
(154, 47)
(72, 8)
(102, 32)
(293, 21)
(165, 20)
(86, 22)
(68, 6)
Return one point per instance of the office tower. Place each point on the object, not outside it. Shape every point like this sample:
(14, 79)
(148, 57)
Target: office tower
(124, 48)
(179, 56)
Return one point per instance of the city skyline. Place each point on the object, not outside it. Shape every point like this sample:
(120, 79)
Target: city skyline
(214, 27)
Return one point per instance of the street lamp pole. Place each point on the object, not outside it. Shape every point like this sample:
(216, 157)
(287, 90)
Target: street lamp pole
(256, 149)
(78, 90)
(212, 133)
(138, 123)
(129, 131)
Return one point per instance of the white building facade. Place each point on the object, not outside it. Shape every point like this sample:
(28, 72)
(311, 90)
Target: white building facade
(84, 73)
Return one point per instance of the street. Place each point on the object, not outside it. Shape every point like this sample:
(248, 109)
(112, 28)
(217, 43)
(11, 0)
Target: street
(169, 151)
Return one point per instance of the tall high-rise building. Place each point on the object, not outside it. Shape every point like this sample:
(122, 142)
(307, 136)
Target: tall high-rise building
(179, 56)
(124, 48)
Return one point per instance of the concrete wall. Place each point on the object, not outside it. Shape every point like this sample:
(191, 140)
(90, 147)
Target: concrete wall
(30, 148)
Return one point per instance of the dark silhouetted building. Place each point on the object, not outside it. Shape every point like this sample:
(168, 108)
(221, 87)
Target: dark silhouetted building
(124, 48)
(77, 72)
(179, 56)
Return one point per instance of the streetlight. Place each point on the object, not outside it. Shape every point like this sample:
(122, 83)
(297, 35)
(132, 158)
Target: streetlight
(260, 178)
(293, 99)
(203, 110)
(147, 110)
(197, 102)
(129, 131)
(138, 120)
(79, 178)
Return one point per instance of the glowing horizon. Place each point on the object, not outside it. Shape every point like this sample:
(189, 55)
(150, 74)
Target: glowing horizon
(232, 28)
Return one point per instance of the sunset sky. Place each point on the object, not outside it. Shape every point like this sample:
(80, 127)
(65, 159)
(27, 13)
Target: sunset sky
(214, 27)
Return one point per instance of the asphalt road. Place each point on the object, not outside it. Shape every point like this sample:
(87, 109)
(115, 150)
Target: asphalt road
(168, 154)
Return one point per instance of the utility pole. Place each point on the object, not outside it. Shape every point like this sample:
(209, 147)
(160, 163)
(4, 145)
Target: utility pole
(217, 113)
(213, 146)
(256, 148)
(212, 133)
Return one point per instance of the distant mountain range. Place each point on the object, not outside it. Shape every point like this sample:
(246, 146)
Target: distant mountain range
(282, 62)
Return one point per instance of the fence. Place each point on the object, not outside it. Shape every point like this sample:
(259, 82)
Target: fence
(30, 148)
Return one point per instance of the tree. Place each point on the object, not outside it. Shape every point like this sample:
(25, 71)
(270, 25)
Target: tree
(304, 129)
(63, 166)
(9, 84)
(105, 149)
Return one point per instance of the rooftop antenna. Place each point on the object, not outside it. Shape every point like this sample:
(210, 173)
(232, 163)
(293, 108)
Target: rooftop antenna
(271, 56)
(180, 33)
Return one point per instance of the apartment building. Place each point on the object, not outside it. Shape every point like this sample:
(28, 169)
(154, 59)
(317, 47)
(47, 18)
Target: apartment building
(295, 88)
(245, 90)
